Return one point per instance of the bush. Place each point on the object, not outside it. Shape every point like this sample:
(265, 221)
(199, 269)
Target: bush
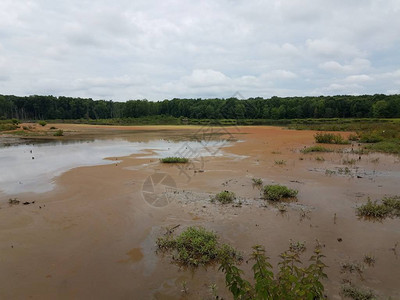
(171, 160)
(277, 192)
(59, 132)
(353, 292)
(315, 149)
(371, 137)
(196, 246)
(42, 123)
(257, 182)
(225, 197)
(329, 138)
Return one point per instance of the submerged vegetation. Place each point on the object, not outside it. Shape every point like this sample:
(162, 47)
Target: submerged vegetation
(389, 207)
(278, 192)
(174, 160)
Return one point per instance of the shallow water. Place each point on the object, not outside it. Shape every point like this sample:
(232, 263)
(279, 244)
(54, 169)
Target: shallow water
(33, 167)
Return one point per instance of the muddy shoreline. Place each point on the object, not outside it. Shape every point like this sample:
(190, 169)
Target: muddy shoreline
(94, 235)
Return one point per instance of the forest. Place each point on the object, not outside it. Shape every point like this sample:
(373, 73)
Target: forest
(37, 107)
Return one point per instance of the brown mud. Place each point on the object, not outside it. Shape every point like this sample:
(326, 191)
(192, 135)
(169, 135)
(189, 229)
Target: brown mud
(94, 235)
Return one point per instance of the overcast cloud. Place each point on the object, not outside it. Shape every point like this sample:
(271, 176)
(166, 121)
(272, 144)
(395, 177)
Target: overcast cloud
(138, 49)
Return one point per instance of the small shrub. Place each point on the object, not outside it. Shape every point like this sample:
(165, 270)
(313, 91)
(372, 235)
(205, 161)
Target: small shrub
(42, 123)
(369, 260)
(319, 158)
(174, 160)
(277, 192)
(392, 202)
(353, 292)
(315, 149)
(59, 132)
(329, 172)
(280, 162)
(329, 138)
(52, 127)
(225, 197)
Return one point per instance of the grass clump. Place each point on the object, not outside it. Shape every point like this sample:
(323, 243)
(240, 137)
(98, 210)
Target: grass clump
(280, 162)
(196, 247)
(174, 160)
(278, 192)
(224, 197)
(42, 123)
(389, 207)
(386, 146)
(329, 138)
(59, 132)
(353, 292)
(351, 161)
(317, 148)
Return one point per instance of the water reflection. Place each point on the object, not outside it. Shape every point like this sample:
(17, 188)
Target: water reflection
(32, 167)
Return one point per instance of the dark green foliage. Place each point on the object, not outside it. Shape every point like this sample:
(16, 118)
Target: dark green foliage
(7, 125)
(42, 123)
(390, 206)
(249, 111)
(353, 292)
(315, 149)
(59, 132)
(278, 192)
(174, 160)
(225, 197)
(293, 281)
(329, 138)
(387, 146)
(196, 246)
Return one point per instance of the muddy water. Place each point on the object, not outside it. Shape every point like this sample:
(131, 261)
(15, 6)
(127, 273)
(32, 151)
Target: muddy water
(93, 235)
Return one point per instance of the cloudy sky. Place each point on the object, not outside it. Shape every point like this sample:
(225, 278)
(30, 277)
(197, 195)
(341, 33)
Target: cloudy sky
(138, 49)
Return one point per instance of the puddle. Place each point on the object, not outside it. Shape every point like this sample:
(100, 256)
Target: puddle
(33, 167)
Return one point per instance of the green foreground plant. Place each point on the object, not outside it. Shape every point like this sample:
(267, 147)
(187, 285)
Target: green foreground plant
(329, 138)
(317, 148)
(224, 197)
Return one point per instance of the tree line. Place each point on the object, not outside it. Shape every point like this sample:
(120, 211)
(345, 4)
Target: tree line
(344, 106)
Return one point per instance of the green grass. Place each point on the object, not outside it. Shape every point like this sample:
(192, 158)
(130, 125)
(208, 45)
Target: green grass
(257, 182)
(225, 197)
(278, 192)
(389, 207)
(387, 146)
(317, 148)
(280, 162)
(330, 138)
(42, 123)
(196, 246)
(174, 160)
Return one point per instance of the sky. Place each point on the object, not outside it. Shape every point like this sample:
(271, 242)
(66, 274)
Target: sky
(145, 49)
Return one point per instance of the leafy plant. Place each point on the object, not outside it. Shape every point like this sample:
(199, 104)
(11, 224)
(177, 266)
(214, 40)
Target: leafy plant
(225, 197)
(174, 160)
(291, 281)
(42, 123)
(278, 192)
(390, 206)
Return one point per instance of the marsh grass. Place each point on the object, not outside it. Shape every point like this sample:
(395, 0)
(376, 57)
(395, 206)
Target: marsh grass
(317, 148)
(278, 192)
(59, 132)
(280, 162)
(257, 182)
(174, 160)
(330, 138)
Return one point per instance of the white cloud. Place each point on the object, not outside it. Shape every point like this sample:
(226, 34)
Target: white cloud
(157, 50)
